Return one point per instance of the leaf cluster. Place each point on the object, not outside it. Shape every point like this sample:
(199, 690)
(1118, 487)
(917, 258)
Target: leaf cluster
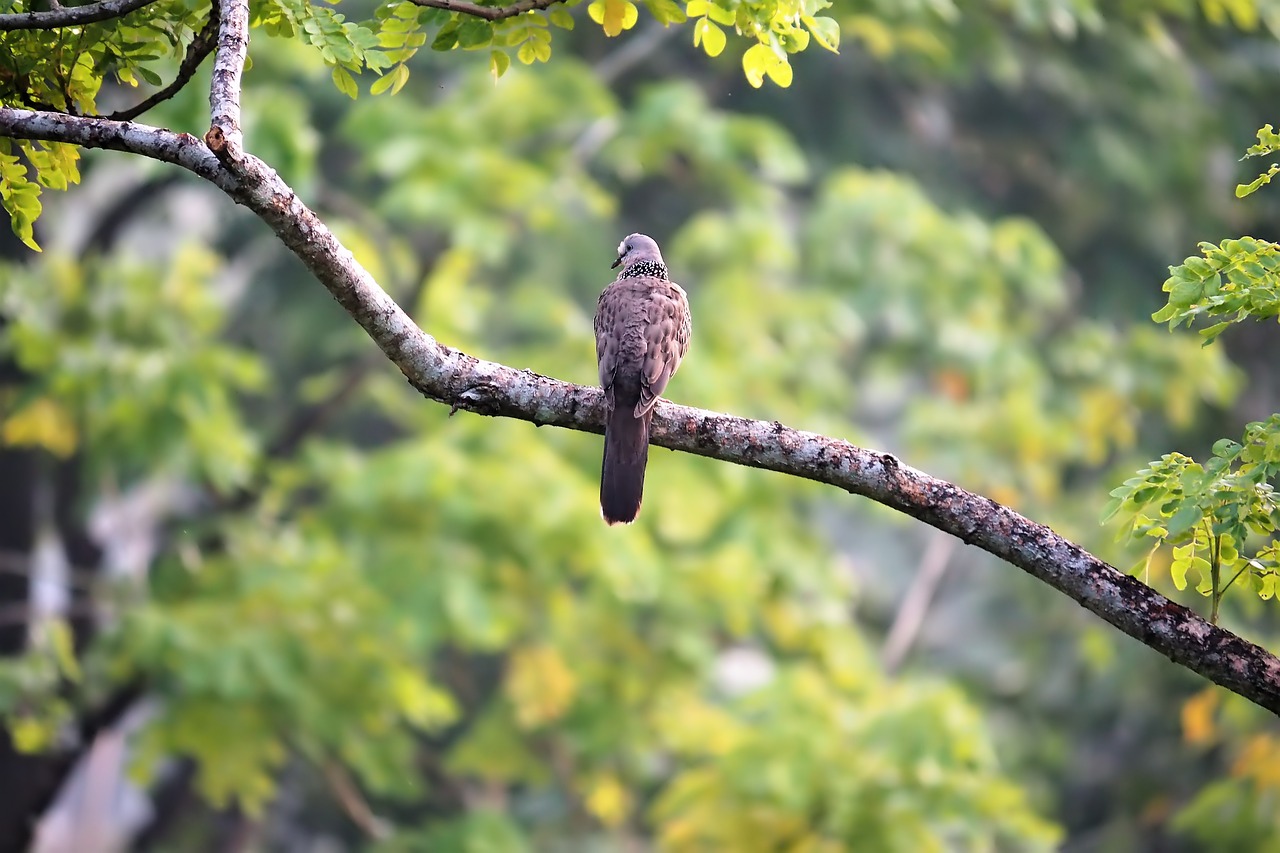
(1221, 516)
(1237, 279)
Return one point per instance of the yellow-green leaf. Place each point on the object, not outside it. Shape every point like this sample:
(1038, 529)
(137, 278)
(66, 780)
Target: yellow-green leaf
(345, 82)
(614, 15)
(561, 18)
(402, 76)
(709, 35)
(780, 73)
(499, 62)
(541, 686)
(32, 735)
(826, 31)
(667, 12)
(41, 423)
(1243, 190)
(382, 84)
(608, 800)
(757, 63)
(58, 633)
(704, 8)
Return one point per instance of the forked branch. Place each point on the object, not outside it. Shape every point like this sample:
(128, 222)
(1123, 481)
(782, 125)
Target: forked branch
(201, 46)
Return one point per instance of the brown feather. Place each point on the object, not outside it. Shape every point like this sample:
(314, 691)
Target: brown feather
(642, 331)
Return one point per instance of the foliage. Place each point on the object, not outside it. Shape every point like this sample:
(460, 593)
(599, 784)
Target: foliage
(34, 711)
(134, 360)
(1233, 813)
(1211, 511)
(1236, 280)
(368, 584)
(827, 763)
(428, 601)
(1221, 515)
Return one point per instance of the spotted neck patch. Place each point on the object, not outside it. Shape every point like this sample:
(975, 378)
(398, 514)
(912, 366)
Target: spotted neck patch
(653, 269)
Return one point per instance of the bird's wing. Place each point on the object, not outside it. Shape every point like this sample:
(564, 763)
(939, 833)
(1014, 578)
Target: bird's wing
(666, 342)
(608, 338)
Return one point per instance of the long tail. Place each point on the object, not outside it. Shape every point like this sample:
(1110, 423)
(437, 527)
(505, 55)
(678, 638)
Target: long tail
(626, 452)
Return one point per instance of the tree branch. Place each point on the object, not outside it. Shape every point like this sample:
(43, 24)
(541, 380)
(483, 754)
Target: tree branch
(915, 604)
(224, 137)
(70, 16)
(467, 383)
(489, 13)
(201, 46)
(91, 724)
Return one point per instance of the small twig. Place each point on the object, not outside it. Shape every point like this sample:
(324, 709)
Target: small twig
(310, 419)
(224, 138)
(23, 614)
(201, 46)
(489, 13)
(1235, 577)
(915, 605)
(354, 803)
(70, 16)
(632, 52)
(1215, 575)
(119, 214)
(17, 563)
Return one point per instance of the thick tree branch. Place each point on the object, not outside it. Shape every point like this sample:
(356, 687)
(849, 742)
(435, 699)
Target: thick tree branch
(489, 13)
(487, 388)
(70, 16)
(224, 137)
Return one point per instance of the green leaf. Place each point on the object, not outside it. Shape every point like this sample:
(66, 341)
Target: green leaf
(1226, 447)
(383, 83)
(19, 196)
(826, 31)
(1211, 334)
(1257, 183)
(1185, 291)
(402, 77)
(1110, 509)
(666, 11)
(345, 82)
(499, 62)
(447, 37)
(475, 33)
(58, 633)
(1184, 519)
(1268, 141)
(561, 17)
(1178, 573)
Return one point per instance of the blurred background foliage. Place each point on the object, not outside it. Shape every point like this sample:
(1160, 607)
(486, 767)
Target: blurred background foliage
(364, 623)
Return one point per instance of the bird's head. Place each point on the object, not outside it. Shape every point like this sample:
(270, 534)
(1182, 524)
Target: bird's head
(637, 248)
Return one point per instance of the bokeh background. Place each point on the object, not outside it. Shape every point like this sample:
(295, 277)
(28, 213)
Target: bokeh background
(344, 620)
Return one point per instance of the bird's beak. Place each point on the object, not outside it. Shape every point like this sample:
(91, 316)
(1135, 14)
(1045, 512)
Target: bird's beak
(615, 263)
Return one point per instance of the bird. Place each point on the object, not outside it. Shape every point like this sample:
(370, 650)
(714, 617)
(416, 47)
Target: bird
(642, 327)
